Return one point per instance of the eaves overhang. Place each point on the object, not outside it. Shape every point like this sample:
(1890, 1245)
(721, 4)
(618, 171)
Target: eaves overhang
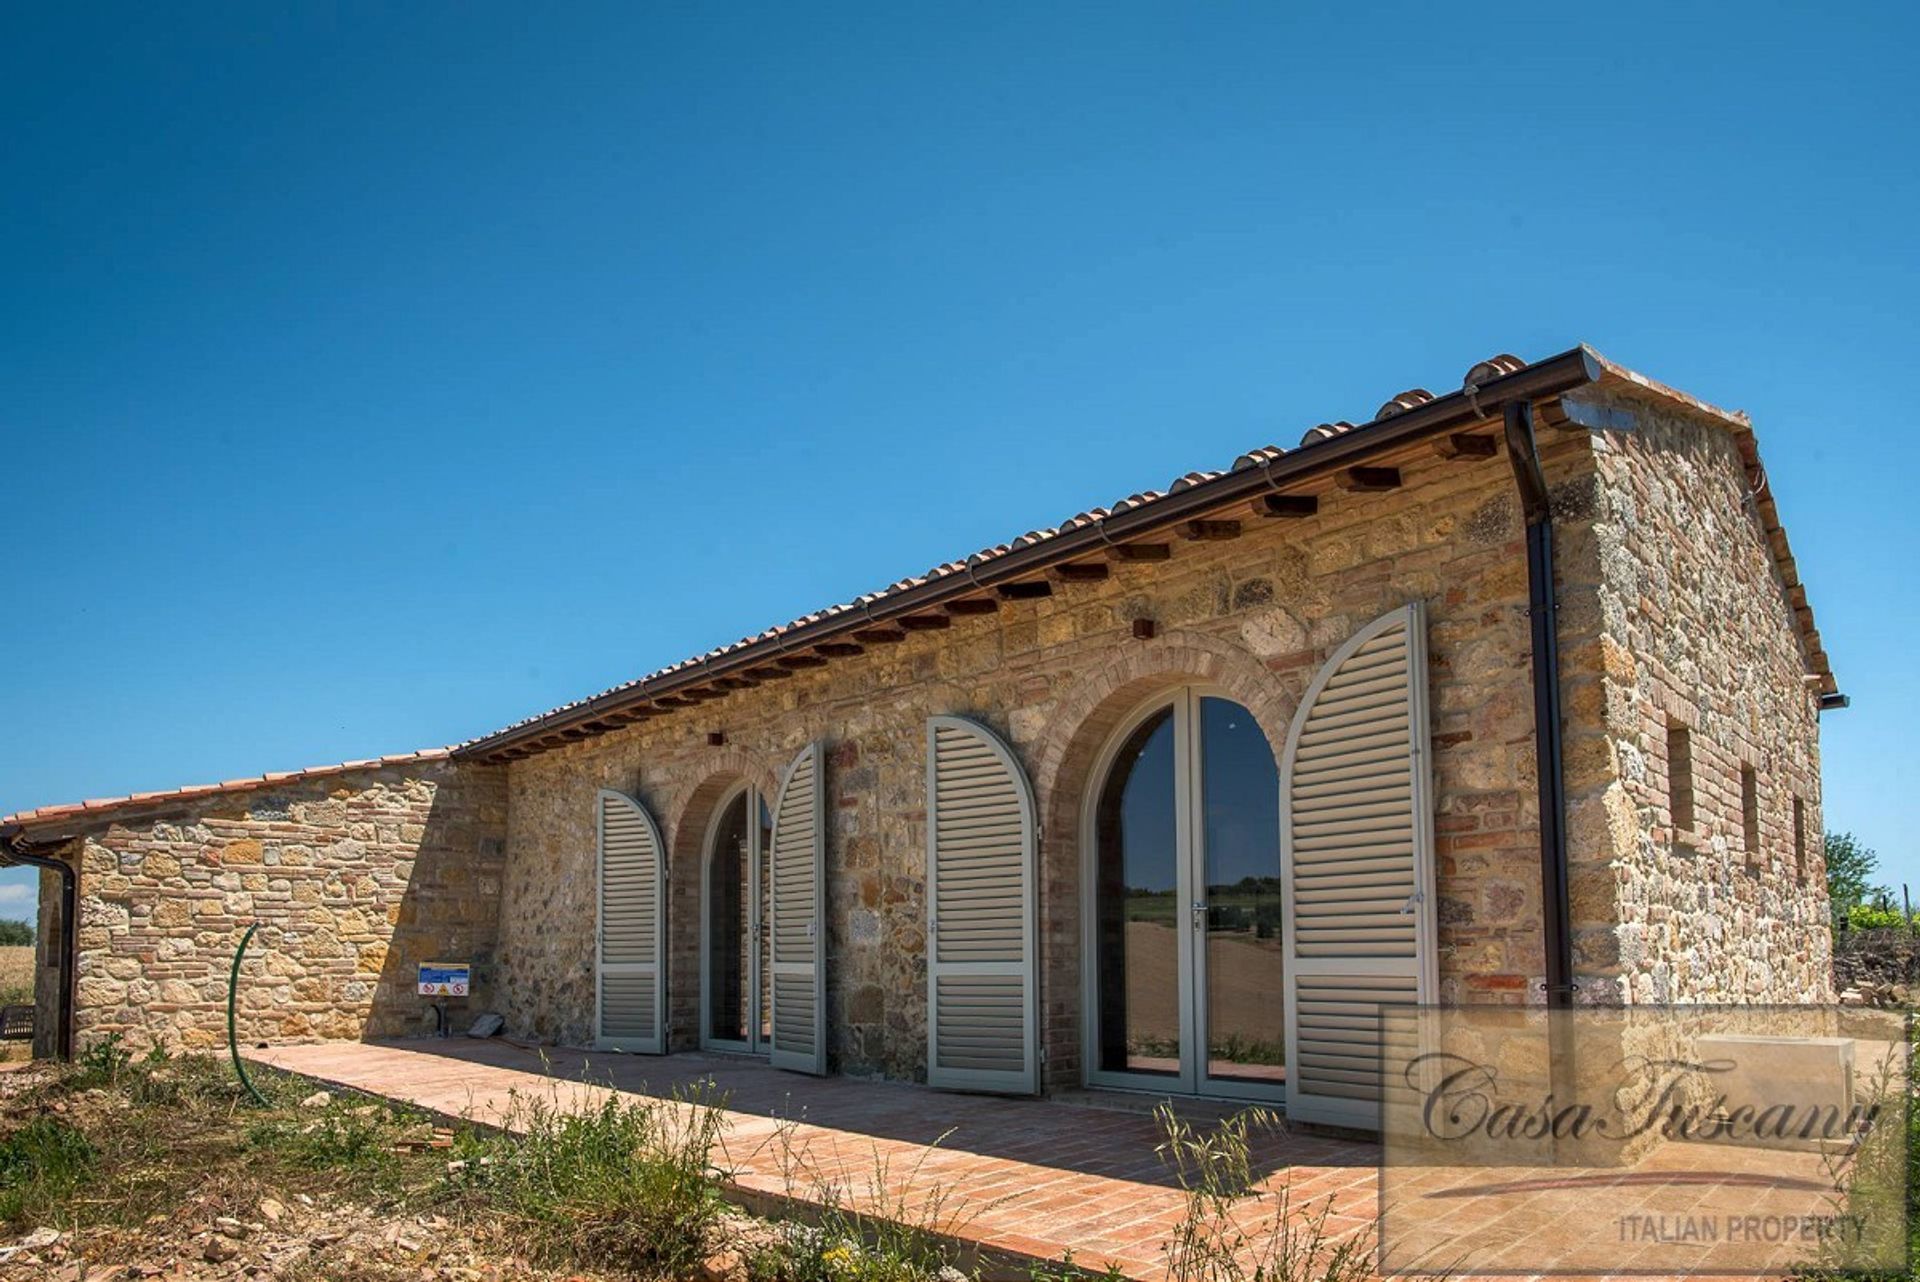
(1407, 419)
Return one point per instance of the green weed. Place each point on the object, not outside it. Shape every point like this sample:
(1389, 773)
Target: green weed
(628, 1183)
(898, 1231)
(1223, 1236)
(42, 1165)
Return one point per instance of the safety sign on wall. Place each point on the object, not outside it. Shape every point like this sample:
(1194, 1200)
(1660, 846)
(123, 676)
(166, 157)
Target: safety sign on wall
(443, 979)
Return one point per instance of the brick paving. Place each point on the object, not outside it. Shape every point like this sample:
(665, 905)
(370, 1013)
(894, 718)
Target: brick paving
(1032, 1178)
(1027, 1178)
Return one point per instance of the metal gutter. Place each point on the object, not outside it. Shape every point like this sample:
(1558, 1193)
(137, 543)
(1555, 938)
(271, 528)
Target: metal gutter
(13, 850)
(1471, 405)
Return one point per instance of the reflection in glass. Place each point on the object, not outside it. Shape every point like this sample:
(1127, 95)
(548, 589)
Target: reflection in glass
(1240, 826)
(1137, 913)
(729, 932)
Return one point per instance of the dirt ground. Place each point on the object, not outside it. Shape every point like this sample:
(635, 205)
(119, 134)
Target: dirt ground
(185, 1190)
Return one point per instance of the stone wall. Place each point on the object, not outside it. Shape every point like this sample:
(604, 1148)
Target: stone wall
(49, 942)
(1672, 614)
(1256, 615)
(1699, 634)
(354, 879)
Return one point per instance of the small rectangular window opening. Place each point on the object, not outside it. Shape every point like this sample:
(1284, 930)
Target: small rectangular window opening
(1680, 780)
(1750, 816)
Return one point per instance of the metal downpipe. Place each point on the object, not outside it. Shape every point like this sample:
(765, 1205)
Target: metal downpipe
(1543, 609)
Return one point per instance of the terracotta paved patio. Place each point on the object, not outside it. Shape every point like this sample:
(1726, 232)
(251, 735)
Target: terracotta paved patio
(1023, 1178)
(1019, 1179)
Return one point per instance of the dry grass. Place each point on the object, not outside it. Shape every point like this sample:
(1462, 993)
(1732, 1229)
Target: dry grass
(16, 975)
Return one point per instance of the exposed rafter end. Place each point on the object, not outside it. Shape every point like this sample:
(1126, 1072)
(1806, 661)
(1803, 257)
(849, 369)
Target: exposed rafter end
(1026, 590)
(840, 649)
(879, 636)
(801, 661)
(1368, 480)
(925, 622)
(1079, 572)
(1286, 506)
(1209, 531)
(1466, 446)
(1129, 552)
(968, 605)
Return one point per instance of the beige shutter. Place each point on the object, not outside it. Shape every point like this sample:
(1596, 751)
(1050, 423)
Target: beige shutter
(1357, 856)
(981, 1000)
(798, 917)
(630, 996)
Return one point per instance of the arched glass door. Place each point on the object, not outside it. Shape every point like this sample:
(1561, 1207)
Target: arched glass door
(1185, 973)
(735, 1006)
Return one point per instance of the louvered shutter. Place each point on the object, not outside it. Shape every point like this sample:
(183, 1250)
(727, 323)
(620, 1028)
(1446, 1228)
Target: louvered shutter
(630, 996)
(981, 998)
(1357, 854)
(798, 917)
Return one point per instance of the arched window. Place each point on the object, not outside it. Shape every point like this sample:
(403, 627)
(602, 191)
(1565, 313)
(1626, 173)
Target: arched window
(1186, 977)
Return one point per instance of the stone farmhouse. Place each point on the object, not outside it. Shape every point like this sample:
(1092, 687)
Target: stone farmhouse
(1509, 694)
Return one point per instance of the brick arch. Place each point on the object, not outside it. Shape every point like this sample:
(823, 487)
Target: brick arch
(689, 813)
(1081, 724)
(690, 810)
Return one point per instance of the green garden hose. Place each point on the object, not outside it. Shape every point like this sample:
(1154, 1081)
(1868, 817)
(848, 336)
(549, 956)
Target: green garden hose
(233, 1039)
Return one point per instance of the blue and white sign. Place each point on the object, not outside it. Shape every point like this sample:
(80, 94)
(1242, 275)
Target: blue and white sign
(443, 979)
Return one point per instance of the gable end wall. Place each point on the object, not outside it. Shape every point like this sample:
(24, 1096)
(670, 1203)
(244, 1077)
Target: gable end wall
(1698, 632)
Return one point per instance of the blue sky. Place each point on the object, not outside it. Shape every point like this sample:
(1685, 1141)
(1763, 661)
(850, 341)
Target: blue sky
(378, 375)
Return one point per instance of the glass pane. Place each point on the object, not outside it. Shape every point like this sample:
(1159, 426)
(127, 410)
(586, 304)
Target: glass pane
(1240, 825)
(760, 918)
(728, 936)
(1137, 915)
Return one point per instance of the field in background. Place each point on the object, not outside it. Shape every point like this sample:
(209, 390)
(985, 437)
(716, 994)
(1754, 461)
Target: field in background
(16, 976)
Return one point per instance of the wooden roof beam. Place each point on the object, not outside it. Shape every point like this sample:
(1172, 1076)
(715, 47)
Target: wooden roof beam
(1209, 531)
(1125, 553)
(1368, 480)
(1025, 590)
(1286, 506)
(1466, 446)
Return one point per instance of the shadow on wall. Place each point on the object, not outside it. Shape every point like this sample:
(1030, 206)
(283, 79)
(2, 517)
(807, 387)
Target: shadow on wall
(354, 881)
(448, 912)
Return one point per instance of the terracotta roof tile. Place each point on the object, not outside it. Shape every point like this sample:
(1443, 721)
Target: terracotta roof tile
(1412, 398)
(1480, 373)
(98, 806)
(1325, 432)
